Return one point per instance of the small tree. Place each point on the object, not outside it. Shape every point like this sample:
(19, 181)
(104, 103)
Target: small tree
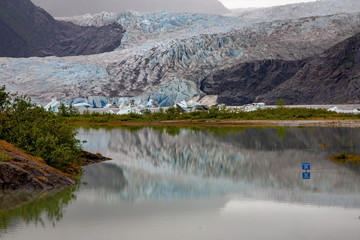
(69, 111)
(281, 103)
(4, 99)
(63, 110)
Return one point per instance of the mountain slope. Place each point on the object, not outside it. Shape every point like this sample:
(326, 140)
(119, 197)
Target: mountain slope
(78, 7)
(333, 77)
(27, 30)
(164, 56)
(242, 83)
(300, 10)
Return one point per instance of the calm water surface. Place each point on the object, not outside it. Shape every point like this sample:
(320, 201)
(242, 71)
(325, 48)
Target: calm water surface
(202, 183)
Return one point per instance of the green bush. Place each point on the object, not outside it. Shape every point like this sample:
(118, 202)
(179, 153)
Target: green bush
(69, 111)
(281, 103)
(38, 132)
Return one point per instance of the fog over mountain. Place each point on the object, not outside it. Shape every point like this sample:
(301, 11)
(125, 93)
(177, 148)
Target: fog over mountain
(77, 7)
(300, 10)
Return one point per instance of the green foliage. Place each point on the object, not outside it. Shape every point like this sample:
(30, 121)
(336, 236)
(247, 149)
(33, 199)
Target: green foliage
(50, 207)
(4, 99)
(281, 103)
(216, 114)
(4, 157)
(69, 111)
(39, 132)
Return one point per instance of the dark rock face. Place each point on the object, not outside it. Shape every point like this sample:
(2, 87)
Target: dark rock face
(332, 78)
(242, 83)
(22, 171)
(27, 30)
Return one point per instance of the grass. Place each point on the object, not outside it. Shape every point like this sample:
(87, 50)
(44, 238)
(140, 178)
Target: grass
(4, 157)
(215, 114)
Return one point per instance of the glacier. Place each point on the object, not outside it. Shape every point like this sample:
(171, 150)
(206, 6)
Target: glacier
(164, 56)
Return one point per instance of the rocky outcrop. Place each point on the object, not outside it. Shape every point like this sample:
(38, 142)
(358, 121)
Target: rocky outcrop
(242, 83)
(27, 30)
(91, 158)
(21, 171)
(332, 78)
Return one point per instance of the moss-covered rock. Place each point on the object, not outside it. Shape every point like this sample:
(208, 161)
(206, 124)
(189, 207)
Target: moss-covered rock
(26, 172)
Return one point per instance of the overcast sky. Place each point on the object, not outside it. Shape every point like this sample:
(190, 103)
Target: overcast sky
(258, 3)
(60, 8)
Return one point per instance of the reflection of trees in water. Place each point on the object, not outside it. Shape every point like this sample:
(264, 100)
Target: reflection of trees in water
(51, 207)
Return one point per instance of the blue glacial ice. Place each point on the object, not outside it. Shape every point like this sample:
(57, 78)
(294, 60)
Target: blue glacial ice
(164, 56)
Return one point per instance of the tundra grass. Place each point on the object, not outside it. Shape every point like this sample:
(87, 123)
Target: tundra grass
(216, 114)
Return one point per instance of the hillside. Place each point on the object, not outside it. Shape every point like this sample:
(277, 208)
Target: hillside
(333, 77)
(27, 30)
(242, 83)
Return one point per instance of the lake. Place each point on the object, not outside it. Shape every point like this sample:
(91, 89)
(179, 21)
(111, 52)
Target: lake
(201, 183)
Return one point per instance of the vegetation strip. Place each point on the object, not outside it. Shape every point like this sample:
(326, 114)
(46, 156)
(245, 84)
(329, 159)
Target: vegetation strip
(239, 123)
(217, 114)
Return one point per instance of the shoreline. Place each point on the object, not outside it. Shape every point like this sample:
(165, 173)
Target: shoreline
(25, 178)
(22, 171)
(232, 123)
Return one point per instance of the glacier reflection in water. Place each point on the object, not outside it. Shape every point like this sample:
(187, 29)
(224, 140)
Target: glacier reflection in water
(202, 184)
(263, 163)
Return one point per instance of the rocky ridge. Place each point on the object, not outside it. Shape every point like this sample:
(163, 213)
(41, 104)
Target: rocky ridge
(333, 77)
(27, 30)
(242, 83)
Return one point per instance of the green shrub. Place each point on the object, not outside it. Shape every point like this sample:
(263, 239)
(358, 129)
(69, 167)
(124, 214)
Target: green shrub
(69, 111)
(38, 132)
(281, 103)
